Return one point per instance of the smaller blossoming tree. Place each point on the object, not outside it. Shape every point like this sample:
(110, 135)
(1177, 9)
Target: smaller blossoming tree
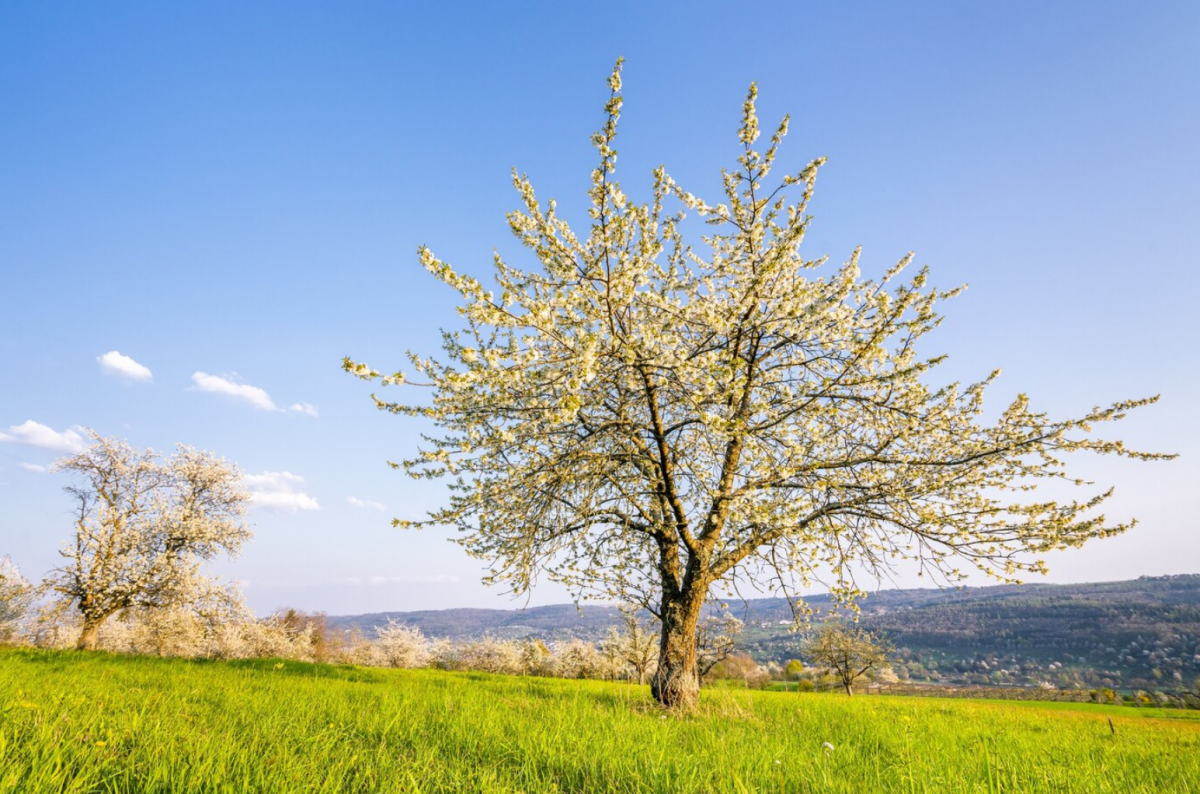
(636, 646)
(15, 597)
(143, 528)
(849, 652)
(398, 645)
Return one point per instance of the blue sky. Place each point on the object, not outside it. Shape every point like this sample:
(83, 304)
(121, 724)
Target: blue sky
(238, 190)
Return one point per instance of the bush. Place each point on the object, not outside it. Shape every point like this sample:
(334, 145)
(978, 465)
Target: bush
(397, 645)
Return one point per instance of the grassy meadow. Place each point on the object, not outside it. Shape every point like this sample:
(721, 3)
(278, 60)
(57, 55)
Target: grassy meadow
(94, 722)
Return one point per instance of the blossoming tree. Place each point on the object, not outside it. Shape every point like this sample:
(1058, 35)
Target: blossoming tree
(643, 418)
(636, 647)
(16, 596)
(849, 652)
(143, 527)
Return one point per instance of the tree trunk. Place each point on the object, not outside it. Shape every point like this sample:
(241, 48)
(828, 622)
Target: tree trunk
(90, 636)
(676, 684)
(849, 689)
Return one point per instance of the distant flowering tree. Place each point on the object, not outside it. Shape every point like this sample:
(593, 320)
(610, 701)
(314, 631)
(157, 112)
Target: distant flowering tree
(849, 652)
(578, 659)
(646, 419)
(16, 596)
(742, 666)
(399, 645)
(536, 658)
(636, 646)
(489, 655)
(716, 639)
(143, 527)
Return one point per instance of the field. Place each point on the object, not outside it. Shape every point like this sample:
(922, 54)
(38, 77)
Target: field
(81, 723)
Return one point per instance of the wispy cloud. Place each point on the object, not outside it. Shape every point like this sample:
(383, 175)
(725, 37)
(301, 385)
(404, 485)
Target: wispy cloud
(279, 491)
(34, 467)
(34, 434)
(354, 501)
(305, 408)
(242, 391)
(115, 363)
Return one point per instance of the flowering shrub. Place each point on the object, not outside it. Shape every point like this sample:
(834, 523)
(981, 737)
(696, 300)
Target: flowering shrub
(397, 645)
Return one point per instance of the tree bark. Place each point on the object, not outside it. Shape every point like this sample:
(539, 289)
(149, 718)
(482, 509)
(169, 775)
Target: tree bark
(89, 637)
(676, 683)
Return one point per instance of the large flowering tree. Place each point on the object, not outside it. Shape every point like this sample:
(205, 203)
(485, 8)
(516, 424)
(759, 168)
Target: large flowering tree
(643, 418)
(143, 528)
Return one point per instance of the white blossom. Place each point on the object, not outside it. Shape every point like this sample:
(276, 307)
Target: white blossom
(644, 416)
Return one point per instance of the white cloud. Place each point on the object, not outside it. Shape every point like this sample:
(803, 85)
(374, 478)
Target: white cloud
(243, 391)
(117, 364)
(278, 490)
(33, 467)
(37, 435)
(305, 408)
(365, 503)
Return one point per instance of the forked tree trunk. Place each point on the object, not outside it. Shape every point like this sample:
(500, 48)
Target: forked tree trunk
(676, 683)
(89, 637)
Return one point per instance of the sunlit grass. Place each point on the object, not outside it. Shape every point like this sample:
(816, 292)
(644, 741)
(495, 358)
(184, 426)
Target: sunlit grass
(78, 723)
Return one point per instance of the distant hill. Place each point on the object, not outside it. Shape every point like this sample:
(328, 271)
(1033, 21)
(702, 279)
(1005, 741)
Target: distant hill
(1139, 633)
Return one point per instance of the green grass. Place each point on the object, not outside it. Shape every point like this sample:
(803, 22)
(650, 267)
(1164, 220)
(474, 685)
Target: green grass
(1112, 709)
(93, 722)
(1108, 709)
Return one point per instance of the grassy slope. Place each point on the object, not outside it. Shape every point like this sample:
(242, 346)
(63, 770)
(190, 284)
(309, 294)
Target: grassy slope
(71, 722)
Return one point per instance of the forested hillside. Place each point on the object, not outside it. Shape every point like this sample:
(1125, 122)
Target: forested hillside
(1141, 633)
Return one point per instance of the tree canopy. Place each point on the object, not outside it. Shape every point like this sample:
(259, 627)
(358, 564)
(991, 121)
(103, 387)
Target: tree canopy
(643, 417)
